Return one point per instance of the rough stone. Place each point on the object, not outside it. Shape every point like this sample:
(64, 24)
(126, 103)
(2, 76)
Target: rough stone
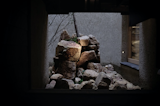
(77, 79)
(69, 49)
(95, 66)
(103, 79)
(67, 69)
(88, 84)
(56, 76)
(92, 47)
(64, 35)
(90, 73)
(93, 40)
(84, 40)
(51, 85)
(110, 67)
(86, 56)
(70, 83)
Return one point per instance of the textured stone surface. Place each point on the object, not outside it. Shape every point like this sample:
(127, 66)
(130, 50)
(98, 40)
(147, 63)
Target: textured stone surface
(67, 69)
(86, 56)
(95, 66)
(56, 76)
(70, 50)
(84, 40)
(64, 36)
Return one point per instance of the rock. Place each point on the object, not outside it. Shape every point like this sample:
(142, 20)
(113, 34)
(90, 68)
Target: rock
(110, 67)
(93, 40)
(90, 73)
(84, 40)
(92, 47)
(95, 66)
(51, 85)
(67, 69)
(64, 36)
(122, 84)
(86, 56)
(80, 72)
(56, 76)
(103, 79)
(70, 50)
(77, 80)
(70, 83)
(88, 84)
(61, 84)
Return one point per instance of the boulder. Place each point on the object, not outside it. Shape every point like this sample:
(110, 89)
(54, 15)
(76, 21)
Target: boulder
(89, 74)
(64, 35)
(93, 40)
(70, 83)
(67, 69)
(51, 85)
(83, 40)
(56, 76)
(70, 50)
(95, 66)
(86, 56)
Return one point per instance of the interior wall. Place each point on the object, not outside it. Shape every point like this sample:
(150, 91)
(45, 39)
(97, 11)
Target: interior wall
(147, 62)
(39, 16)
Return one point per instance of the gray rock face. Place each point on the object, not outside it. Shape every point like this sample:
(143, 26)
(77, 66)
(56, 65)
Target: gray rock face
(93, 40)
(64, 35)
(95, 66)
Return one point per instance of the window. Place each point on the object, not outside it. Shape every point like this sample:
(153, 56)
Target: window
(133, 56)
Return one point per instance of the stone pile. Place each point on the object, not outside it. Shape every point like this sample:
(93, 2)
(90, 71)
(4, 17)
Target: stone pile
(77, 66)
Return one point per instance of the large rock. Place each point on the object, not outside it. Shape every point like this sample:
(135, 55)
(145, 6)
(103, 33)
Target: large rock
(84, 40)
(69, 49)
(95, 66)
(93, 40)
(64, 36)
(67, 69)
(86, 56)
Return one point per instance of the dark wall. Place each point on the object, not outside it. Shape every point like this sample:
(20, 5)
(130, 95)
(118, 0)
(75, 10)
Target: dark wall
(39, 16)
(15, 45)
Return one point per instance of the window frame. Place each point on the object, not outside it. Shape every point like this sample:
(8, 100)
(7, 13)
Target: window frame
(130, 59)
